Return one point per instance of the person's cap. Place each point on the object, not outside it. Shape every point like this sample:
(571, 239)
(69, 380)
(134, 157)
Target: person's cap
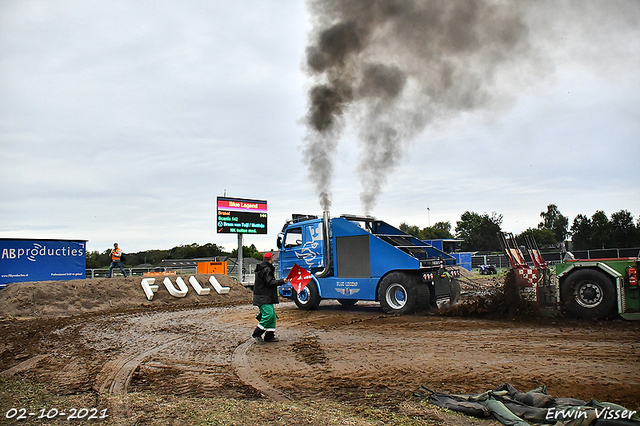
(268, 256)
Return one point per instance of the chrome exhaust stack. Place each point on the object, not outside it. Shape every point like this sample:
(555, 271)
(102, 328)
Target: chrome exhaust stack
(327, 249)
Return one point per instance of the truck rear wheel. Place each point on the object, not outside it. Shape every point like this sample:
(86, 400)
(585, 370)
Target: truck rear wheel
(309, 298)
(399, 293)
(588, 293)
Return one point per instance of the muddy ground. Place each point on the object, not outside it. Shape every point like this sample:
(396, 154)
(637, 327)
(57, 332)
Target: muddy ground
(101, 344)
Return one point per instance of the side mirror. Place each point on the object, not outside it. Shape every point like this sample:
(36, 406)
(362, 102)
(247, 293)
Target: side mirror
(279, 241)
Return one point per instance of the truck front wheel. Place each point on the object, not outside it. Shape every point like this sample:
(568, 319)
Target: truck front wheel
(588, 293)
(308, 298)
(399, 293)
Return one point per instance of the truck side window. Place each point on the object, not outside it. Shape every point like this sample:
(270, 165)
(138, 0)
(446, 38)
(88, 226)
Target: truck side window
(293, 237)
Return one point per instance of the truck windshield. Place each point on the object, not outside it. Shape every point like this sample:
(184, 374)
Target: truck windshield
(293, 237)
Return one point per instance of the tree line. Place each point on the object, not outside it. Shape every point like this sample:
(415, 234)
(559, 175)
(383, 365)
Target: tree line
(97, 259)
(478, 231)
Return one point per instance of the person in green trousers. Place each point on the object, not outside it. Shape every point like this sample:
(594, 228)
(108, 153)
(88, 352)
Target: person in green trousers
(265, 295)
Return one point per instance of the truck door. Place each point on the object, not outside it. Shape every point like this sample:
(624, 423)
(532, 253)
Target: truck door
(302, 245)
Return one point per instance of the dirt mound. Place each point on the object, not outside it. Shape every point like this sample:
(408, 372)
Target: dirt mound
(465, 273)
(498, 299)
(73, 297)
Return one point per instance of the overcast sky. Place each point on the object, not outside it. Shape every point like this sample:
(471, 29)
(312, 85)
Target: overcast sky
(123, 121)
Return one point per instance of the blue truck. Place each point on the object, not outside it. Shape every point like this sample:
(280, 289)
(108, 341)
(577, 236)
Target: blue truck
(353, 258)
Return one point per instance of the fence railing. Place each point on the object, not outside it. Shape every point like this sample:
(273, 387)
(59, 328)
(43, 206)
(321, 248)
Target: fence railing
(138, 272)
(552, 258)
(232, 270)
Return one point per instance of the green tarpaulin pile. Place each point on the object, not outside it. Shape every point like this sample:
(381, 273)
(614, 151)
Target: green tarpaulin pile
(514, 408)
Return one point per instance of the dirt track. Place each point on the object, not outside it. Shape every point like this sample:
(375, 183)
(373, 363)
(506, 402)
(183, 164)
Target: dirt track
(356, 356)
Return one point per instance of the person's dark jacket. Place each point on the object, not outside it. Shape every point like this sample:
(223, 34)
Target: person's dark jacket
(265, 287)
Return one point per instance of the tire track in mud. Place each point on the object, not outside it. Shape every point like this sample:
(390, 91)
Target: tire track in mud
(23, 366)
(250, 377)
(117, 374)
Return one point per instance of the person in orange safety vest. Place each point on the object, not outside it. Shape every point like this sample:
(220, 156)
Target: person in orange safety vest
(116, 255)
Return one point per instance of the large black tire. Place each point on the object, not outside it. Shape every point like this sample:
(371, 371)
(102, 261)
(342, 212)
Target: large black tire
(309, 298)
(588, 293)
(401, 293)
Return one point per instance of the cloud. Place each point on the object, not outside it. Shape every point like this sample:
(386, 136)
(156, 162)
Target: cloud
(122, 121)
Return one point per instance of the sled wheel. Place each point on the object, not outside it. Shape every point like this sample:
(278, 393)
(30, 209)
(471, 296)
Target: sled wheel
(588, 293)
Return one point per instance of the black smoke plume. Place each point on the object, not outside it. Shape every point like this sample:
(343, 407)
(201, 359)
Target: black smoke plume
(391, 67)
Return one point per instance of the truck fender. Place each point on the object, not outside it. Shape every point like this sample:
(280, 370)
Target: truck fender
(315, 279)
(606, 268)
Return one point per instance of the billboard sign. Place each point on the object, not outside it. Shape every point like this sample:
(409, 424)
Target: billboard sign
(241, 216)
(41, 260)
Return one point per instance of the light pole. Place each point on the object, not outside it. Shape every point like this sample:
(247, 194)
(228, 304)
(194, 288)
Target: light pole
(428, 217)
